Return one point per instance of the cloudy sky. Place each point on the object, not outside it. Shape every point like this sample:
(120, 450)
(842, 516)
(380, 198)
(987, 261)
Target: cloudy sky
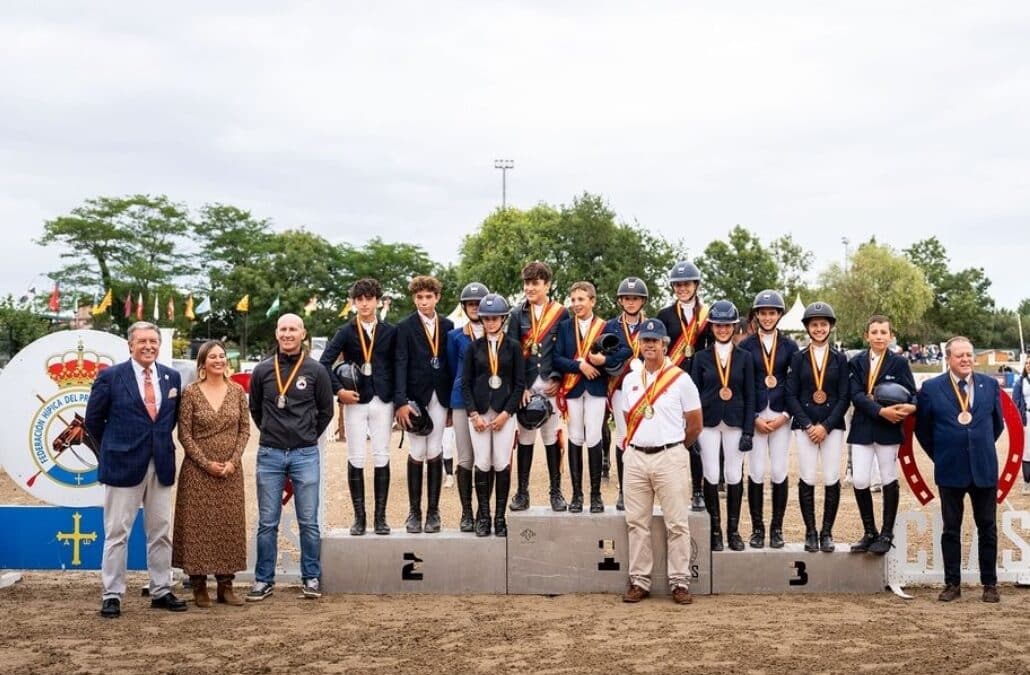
(354, 119)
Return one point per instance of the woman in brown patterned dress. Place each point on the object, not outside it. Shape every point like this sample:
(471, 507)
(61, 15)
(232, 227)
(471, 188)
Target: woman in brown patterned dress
(210, 528)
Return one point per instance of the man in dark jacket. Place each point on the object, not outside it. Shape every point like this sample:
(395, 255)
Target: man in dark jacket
(291, 402)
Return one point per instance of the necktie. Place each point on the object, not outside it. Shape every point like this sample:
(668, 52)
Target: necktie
(962, 390)
(149, 399)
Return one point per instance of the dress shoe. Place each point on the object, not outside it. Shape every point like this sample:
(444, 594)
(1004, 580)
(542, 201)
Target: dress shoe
(111, 608)
(811, 541)
(735, 541)
(826, 544)
(757, 539)
(634, 594)
(170, 602)
(951, 592)
(991, 594)
(681, 595)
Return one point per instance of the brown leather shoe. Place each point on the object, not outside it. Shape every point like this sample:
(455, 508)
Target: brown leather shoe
(950, 592)
(634, 594)
(200, 596)
(226, 595)
(991, 594)
(681, 595)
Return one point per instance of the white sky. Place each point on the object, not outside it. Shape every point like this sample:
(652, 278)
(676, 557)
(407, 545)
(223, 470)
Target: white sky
(355, 119)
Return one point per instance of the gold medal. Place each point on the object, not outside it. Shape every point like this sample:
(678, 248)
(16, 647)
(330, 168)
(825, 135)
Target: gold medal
(648, 411)
(725, 393)
(688, 351)
(535, 349)
(965, 417)
(770, 381)
(819, 397)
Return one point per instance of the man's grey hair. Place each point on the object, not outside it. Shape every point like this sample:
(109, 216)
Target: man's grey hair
(142, 325)
(957, 338)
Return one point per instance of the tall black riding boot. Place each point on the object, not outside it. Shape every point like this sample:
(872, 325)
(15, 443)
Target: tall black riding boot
(831, 500)
(464, 479)
(620, 503)
(576, 476)
(484, 485)
(779, 507)
(606, 449)
(755, 499)
(554, 474)
(381, 486)
(806, 499)
(734, 497)
(503, 479)
(891, 495)
(697, 476)
(520, 502)
(864, 499)
(356, 483)
(714, 514)
(414, 522)
(434, 481)
(594, 462)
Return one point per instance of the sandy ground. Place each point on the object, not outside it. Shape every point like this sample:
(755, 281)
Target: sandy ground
(50, 621)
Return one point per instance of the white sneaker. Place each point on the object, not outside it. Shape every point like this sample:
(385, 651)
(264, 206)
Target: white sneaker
(448, 482)
(311, 589)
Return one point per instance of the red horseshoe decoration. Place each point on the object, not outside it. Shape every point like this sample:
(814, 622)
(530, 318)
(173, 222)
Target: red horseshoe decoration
(1009, 471)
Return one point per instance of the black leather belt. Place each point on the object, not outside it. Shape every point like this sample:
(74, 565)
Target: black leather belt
(652, 449)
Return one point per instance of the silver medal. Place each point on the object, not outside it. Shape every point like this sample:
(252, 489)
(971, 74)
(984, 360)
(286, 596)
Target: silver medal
(494, 381)
(366, 369)
(434, 363)
(280, 401)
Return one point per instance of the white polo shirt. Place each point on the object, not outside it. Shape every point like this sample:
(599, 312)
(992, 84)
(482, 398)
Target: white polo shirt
(667, 425)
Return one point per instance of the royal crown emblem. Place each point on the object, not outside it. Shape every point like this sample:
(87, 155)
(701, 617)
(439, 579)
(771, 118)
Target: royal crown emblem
(76, 368)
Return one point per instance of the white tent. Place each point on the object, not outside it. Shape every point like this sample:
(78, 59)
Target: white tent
(791, 321)
(457, 315)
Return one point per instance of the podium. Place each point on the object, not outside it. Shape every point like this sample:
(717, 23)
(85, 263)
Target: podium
(551, 553)
(448, 562)
(793, 570)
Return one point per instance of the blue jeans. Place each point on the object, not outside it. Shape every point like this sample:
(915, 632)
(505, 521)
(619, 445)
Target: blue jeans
(274, 466)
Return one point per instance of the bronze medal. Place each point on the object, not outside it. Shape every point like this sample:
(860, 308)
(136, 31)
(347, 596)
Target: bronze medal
(819, 397)
(725, 393)
(770, 381)
(965, 417)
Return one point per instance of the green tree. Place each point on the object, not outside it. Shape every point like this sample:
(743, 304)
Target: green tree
(962, 304)
(580, 241)
(125, 244)
(393, 265)
(793, 262)
(738, 268)
(18, 327)
(879, 281)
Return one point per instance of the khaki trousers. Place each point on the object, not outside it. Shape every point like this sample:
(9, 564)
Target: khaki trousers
(120, 507)
(664, 475)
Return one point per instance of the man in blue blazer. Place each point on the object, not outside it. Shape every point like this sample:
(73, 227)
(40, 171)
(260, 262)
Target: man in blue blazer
(958, 420)
(132, 410)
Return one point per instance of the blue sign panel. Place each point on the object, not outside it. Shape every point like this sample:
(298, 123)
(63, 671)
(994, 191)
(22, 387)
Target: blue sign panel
(61, 538)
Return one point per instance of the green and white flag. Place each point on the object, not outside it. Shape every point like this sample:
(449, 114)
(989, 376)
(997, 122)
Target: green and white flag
(274, 309)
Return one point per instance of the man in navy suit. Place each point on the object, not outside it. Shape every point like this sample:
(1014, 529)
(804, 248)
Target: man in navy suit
(958, 420)
(132, 410)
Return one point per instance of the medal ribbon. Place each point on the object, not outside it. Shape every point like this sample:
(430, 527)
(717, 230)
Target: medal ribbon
(723, 371)
(874, 372)
(571, 380)
(434, 340)
(663, 380)
(493, 354)
(615, 382)
(278, 374)
(818, 371)
(688, 332)
(963, 401)
(538, 328)
(369, 345)
(769, 357)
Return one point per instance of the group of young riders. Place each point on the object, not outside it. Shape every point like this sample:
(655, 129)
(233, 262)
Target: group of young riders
(512, 372)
